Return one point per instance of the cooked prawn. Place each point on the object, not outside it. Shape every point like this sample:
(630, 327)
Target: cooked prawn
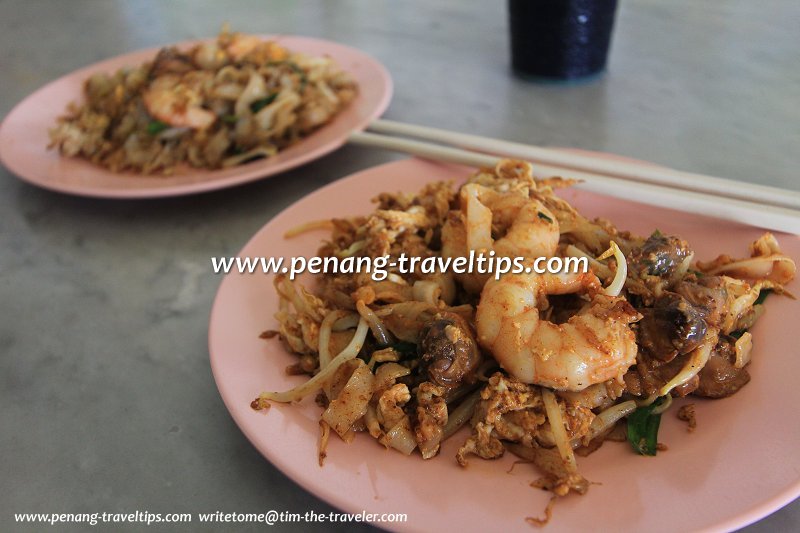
(210, 56)
(525, 228)
(242, 45)
(593, 346)
(175, 103)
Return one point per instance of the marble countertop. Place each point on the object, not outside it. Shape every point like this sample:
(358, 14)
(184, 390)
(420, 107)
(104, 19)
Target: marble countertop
(108, 401)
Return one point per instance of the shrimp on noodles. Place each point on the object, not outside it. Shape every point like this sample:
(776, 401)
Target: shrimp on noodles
(523, 227)
(212, 105)
(593, 346)
(546, 365)
(175, 104)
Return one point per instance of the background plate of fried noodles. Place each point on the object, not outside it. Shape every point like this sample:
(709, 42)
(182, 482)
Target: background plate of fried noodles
(740, 464)
(24, 132)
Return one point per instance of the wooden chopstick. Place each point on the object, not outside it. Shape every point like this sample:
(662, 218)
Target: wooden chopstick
(727, 208)
(623, 169)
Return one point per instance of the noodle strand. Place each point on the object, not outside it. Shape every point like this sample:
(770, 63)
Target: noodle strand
(316, 382)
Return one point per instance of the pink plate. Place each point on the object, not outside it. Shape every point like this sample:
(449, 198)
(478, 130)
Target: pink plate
(24, 138)
(738, 466)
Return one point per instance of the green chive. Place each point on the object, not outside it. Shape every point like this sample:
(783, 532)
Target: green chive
(154, 127)
(260, 104)
(762, 296)
(643, 429)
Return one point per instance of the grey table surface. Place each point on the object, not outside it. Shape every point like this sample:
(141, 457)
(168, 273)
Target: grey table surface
(107, 401)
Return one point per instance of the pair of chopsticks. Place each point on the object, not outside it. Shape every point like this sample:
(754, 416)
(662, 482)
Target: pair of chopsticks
(757, 205)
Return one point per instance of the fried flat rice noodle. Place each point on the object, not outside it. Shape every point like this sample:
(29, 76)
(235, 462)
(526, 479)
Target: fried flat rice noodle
(403, 360)
(215, 105)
